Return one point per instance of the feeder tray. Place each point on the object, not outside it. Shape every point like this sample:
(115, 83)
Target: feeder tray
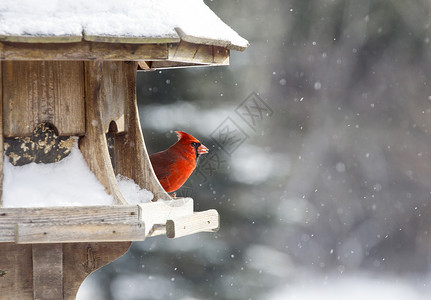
(85, 86)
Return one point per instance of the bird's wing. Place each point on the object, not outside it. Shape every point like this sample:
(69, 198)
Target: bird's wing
(161, 162)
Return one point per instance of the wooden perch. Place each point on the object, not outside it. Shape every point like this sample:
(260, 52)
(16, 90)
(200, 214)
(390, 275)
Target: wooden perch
(197, 222)
(156, 214)
(104, 223)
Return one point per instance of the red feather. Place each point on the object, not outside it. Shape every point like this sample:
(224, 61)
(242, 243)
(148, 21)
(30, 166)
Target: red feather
(174, 165)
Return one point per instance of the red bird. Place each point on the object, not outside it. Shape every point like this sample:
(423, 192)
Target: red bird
(175, 165)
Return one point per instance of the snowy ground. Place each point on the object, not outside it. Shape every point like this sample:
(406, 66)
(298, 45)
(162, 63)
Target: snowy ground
(352, 287)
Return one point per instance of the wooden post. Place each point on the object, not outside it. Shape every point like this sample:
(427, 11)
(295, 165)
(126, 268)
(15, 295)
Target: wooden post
(131, 156)
(93, 145)
(47, 271)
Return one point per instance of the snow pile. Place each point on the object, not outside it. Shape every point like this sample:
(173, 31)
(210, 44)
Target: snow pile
(132, 192)
(159, 19)
(68, 182)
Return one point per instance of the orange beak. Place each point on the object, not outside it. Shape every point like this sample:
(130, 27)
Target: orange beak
(202, 149)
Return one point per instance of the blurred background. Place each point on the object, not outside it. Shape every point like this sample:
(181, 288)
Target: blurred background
(320, 163)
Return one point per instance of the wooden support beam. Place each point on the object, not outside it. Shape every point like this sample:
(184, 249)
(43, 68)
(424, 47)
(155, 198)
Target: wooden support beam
(131, 156)
(113, 95)
(93, 145)
(197, 222)
(184, 55)
(144, 65)
(198, 54)
(31, 233)
(82, 51)
(47, 271)
(167, 64)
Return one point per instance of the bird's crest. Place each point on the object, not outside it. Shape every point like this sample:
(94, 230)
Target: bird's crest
(186, 137)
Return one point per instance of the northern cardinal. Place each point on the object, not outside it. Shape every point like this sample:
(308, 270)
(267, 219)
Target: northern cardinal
(174, 165)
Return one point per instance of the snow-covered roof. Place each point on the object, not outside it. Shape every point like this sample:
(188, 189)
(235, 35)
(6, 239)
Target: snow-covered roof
(125, 21)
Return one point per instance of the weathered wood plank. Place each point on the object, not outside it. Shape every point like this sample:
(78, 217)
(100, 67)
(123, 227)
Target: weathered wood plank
(131, 156)
(113, 95)
(78, 233)
(1, 135)
(40, 39)
(7, 233)
(156, 214)
(128, 40)
(198, 54)
(9, 217)
(82, 51)
(47, 271)
(93, 145)
(16, 275)
(50, 91)
(80, 259)
(76, 214)
(197, 222)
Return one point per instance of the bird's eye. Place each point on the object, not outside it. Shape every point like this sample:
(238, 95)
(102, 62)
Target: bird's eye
(195, 145)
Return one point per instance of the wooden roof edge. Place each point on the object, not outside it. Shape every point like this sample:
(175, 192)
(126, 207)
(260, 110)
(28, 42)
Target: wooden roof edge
(41, 38)
(51, 39)
(131, 39)
(166, 55)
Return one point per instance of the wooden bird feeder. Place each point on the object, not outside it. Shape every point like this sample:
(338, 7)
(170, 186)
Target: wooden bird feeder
(80, 81)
